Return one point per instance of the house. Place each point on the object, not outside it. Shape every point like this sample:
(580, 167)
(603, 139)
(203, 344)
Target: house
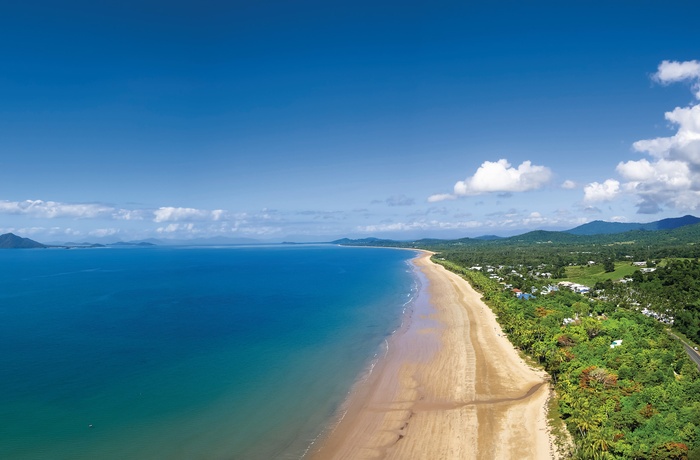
(639, 264)
(580, 288)
(616, 343)
(549, 288)
(525, 296)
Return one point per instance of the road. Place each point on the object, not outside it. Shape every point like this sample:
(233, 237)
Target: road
(694, 355)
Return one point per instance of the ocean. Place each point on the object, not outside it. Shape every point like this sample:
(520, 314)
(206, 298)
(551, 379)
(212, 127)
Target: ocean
(188, 352)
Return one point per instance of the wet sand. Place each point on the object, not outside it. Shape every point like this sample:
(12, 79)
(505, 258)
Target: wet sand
(450, 387)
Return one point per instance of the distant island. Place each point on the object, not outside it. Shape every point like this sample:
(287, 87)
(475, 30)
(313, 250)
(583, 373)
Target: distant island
(12, 241)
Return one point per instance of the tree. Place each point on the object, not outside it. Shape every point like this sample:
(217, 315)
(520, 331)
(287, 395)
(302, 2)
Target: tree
(609, 266)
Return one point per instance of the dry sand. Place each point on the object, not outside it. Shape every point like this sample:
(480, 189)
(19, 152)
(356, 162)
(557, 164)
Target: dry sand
(450, 387)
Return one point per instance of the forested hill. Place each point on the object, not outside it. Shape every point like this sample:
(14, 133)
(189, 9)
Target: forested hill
(12, 241)
(599, 227)
(660, 242)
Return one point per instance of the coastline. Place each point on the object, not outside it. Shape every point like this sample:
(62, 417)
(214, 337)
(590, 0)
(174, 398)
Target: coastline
(450, 386)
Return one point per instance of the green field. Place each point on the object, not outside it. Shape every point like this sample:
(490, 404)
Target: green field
(589, 275)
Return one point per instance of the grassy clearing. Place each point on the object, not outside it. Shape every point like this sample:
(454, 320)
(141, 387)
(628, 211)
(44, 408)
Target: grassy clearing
(589, 275)
(667, 260)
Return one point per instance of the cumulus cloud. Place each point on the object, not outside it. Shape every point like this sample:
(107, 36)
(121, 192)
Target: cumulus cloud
(172, 214)
(675, 71)
(662, 174)
(499, 177)
(684, 144)
(670, 176)
(568, 184)
(606, 191)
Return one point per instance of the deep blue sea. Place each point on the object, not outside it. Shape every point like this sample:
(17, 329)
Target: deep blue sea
(187, 352)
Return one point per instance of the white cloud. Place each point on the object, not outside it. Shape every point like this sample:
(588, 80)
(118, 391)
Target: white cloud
(671, 176)
(675, 71)
(418, 225)
(684, 144)
(606, 191)
(510, 221)
(128, 214)
(499, 177)
(618, 219)
(53, 209)
(568, 184)
(659, 175)
(441, 197)
(101, 232)
(172, 214)
(176, 221)
(172, 228)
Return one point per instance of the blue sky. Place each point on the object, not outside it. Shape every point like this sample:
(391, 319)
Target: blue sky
(316, 120)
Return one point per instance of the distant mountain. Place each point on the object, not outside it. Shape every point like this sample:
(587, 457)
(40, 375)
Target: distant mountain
(599, 227)
(488, 237)
(12, 241)
(358, 241)
(541, 236)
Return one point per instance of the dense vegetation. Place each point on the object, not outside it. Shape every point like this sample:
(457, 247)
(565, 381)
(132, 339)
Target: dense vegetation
(674, 288)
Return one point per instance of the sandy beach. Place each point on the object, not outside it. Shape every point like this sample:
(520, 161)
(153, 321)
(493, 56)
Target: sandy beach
(450, 387)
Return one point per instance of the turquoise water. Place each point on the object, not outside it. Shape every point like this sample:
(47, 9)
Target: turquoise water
(211, 353)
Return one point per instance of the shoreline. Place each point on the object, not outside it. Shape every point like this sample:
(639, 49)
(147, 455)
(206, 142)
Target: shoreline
(450, 385)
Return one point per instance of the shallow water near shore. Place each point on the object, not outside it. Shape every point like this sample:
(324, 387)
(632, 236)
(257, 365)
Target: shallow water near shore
(228, 352)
